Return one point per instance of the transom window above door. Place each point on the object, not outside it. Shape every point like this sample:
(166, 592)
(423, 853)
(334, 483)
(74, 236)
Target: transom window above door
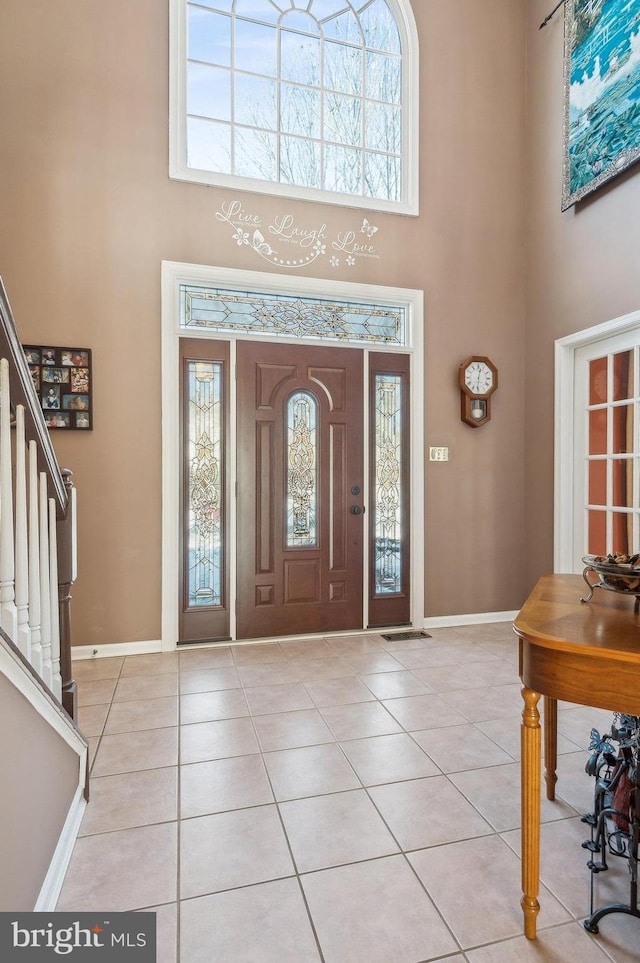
(273, 315)
(305, 98)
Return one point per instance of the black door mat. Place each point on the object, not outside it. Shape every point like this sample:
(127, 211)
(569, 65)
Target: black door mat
(403, 636)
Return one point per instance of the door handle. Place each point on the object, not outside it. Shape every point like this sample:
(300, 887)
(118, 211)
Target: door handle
(357, 510)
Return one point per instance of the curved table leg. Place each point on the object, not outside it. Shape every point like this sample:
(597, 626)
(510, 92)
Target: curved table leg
(530, 788)
(550, 745)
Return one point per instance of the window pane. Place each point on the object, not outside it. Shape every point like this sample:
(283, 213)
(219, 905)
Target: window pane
(217, 4)
(300, 20)
(598, 432)
(598, 381)
(623, 375)
(622, 429)
(388, 500)
(343, 68)
(342, 169)
(255, 101)
(382, 176)
(380, 28)
(383, 128)
(209, 37)
(344, 27)
(302, 470)
(383, 78)
(300, 58)
(597, 533)
(255, 48)
(255, 154)
(204, 446)
(299, 111)
(597, 483)
(622, 483)
(209, 91)
(325, 8)
(208, 145)
(257, 10)
(299, 162)
(621, 534)
(343, 119)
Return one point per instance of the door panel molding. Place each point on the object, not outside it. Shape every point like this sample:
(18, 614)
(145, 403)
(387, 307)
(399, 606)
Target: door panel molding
(337, 530)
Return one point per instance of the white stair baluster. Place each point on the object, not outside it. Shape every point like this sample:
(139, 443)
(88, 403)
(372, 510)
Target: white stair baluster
(45, 604)
(34, 560)
(56, 678)
(22, 540)
(8, 612)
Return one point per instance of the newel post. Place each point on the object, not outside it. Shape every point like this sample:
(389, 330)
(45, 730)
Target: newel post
(67, 573)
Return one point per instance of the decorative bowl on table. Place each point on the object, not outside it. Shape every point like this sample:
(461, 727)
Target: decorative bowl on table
(617, 573)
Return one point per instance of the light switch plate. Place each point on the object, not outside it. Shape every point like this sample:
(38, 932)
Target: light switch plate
(438, 454)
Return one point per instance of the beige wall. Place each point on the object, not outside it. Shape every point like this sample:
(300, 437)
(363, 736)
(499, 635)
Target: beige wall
(88, 213)
(39, 781)
(582, 268)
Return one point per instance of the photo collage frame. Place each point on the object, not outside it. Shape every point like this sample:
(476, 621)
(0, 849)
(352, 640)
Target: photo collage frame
(62, 379)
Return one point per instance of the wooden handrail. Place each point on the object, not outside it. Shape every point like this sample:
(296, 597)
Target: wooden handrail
(24, 393)
(57, 492)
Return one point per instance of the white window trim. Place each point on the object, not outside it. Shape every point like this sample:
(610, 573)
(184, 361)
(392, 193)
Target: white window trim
(173, 275)
(566, 430)
(178, 169)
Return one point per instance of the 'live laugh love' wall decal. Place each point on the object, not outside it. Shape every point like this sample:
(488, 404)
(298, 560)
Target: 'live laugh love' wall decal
(285, 243)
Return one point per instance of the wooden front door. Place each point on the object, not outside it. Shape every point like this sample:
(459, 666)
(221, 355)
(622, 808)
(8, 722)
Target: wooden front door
(300, 521)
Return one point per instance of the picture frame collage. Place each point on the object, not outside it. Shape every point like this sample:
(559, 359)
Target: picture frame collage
(62, 379)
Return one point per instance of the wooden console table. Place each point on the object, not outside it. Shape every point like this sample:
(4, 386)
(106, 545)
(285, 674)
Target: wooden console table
(587, 653)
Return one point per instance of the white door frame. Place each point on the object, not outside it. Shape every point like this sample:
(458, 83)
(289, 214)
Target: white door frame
(566, 431)
(175, 274)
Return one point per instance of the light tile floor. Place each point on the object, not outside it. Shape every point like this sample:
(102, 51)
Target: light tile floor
(348, 800)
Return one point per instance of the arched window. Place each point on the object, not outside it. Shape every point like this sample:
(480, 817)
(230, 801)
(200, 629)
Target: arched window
(305, 98)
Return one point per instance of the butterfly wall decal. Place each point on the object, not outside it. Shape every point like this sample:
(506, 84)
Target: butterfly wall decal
(260, 245)
(367, 228)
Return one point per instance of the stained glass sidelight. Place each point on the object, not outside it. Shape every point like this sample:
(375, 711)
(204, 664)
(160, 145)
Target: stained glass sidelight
(281, 315)
(205, 461)
(388, 483)
(302, 470)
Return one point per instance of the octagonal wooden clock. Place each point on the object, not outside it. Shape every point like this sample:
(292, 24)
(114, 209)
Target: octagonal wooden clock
(478, 379)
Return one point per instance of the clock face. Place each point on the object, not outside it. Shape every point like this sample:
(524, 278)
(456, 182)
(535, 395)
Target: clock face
(478, 377)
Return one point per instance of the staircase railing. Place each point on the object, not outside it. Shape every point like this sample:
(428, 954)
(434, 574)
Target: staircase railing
(37, 526)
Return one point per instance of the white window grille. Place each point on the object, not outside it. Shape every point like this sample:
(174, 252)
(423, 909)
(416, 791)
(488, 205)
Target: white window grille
(305, 98)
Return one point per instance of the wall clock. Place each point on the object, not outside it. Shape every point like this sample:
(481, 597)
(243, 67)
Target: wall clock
(478, 379)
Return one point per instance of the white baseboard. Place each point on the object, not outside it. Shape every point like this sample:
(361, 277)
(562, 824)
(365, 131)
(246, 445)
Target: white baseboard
(115, 649)
(50, 891)
(111, 649)
(477, 618)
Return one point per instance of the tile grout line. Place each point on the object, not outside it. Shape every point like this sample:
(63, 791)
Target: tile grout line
(288, 842)
(298, 875)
